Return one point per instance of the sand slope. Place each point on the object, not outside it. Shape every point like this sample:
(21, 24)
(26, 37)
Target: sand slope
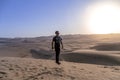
(37, 69)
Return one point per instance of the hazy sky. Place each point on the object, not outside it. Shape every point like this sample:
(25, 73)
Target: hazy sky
(20, 18)
(31, 18)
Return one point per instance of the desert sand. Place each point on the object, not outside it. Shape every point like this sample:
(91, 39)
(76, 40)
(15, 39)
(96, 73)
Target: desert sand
(85, 57)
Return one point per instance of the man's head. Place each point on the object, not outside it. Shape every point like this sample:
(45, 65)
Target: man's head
(57, 33)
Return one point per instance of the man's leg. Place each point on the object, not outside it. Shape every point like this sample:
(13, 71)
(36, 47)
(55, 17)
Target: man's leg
(57, 55)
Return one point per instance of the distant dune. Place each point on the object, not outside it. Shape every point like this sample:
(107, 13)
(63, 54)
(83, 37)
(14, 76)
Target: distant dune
(107, 47)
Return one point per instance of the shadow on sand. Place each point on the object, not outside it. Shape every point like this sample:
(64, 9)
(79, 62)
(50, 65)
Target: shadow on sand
(107, 47)
(91, 58)
(40, 54)
(78, 57)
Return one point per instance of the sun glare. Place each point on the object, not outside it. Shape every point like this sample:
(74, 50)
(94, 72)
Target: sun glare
(102, 18)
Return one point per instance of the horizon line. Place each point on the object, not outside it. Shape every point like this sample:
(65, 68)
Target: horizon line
(62, 35)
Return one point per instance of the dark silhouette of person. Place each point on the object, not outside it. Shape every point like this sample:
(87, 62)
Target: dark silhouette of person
(56, 44)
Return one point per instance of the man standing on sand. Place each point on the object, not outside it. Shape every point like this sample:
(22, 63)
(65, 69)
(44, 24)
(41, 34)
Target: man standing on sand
(57, 40)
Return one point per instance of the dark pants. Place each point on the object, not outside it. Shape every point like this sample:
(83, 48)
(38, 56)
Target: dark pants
(57, 50)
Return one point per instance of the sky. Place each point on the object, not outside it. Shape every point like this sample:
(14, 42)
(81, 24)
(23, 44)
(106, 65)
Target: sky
(33, 18)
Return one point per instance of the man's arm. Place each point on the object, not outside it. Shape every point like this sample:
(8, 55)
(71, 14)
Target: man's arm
(52, 44)
(62, 44)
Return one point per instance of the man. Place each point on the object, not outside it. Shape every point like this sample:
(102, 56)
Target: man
(56, 43)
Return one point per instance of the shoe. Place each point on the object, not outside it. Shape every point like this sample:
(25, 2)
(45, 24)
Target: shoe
(58, 63)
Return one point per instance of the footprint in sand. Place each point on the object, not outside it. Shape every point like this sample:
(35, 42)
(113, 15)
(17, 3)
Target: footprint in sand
(3, 74)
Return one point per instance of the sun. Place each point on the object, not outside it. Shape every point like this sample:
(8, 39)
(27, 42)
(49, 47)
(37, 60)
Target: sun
(102, 18)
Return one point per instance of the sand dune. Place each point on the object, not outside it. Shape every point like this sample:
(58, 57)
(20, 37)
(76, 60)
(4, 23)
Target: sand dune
(85, 57)
(91, 59)
(107, 47)
(82, 56)
(40, 54)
